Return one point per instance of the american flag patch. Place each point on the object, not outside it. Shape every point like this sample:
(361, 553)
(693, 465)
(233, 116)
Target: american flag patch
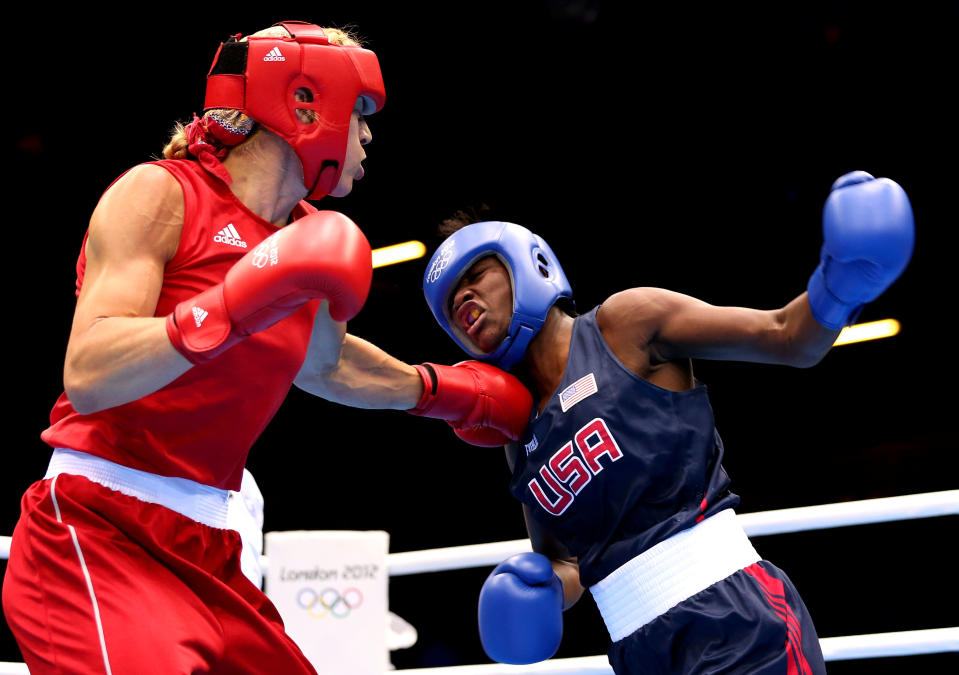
(577, 391)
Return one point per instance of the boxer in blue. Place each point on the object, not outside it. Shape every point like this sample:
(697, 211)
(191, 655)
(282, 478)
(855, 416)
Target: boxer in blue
(620, 468)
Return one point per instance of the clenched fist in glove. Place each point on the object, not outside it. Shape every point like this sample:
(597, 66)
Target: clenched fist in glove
(521, 610)
(322, 255)
(485, 406)
(868, 237)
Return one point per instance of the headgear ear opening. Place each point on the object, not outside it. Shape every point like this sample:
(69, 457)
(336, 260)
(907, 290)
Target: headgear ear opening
(537, 277)
(261, 76)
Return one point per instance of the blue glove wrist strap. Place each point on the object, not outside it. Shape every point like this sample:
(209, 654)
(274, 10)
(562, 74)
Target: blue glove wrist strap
(827, 309)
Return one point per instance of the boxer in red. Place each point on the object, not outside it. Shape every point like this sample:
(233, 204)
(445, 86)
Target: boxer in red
(206, 287)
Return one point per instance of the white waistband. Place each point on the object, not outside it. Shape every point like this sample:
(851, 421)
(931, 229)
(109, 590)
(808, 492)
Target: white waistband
(658, 579)
(202, 503)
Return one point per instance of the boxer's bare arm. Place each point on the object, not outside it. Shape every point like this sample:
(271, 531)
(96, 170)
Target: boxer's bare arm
(671, 325)
(565, 565)
(346, 369)
(118, 351)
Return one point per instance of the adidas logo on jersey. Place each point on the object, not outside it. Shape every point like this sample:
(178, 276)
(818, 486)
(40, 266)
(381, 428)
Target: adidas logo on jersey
(229, 235)
(199, 314)
(274, 55)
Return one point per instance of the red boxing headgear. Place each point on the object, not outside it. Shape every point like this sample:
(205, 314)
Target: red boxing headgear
(261, 75)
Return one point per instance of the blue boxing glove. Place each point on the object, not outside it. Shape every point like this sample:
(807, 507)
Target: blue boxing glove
(521, 610)
(868, 236)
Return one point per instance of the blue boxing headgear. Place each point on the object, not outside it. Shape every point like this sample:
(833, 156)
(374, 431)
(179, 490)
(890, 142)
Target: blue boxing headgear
(537, 278)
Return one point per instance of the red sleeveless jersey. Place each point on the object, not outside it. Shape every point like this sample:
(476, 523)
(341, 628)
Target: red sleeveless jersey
(200, 426)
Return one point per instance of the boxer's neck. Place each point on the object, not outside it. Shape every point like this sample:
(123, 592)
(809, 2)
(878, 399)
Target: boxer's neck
(267, 176)
(546, 356)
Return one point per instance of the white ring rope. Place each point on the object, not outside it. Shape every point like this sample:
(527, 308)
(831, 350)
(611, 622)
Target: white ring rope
(834, 649)
(904, 643)
(780, 521)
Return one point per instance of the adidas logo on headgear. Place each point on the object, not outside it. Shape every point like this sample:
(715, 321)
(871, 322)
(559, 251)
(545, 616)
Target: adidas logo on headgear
(274, 55)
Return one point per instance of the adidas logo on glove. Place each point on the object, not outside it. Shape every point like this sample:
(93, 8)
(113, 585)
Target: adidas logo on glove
(199, 314)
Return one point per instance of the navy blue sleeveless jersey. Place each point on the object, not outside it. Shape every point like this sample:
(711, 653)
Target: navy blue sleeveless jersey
(615, 464)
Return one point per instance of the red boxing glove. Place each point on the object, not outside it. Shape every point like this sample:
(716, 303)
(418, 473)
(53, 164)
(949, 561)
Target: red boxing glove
(485, 406)
(322, 255)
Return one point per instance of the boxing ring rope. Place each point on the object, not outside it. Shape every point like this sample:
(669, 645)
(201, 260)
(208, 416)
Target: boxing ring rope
(781, 521)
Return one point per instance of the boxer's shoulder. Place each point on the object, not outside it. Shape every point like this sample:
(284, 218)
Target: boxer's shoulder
(634, 313)
(144, 207)
(147, 181)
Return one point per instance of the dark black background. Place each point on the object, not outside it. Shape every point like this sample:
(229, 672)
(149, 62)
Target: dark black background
(688, 146)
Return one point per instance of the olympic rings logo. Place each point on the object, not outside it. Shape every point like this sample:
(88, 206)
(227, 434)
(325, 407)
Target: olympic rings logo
(265, 252)
(261, 254)
(329, 602)
(444, 255)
